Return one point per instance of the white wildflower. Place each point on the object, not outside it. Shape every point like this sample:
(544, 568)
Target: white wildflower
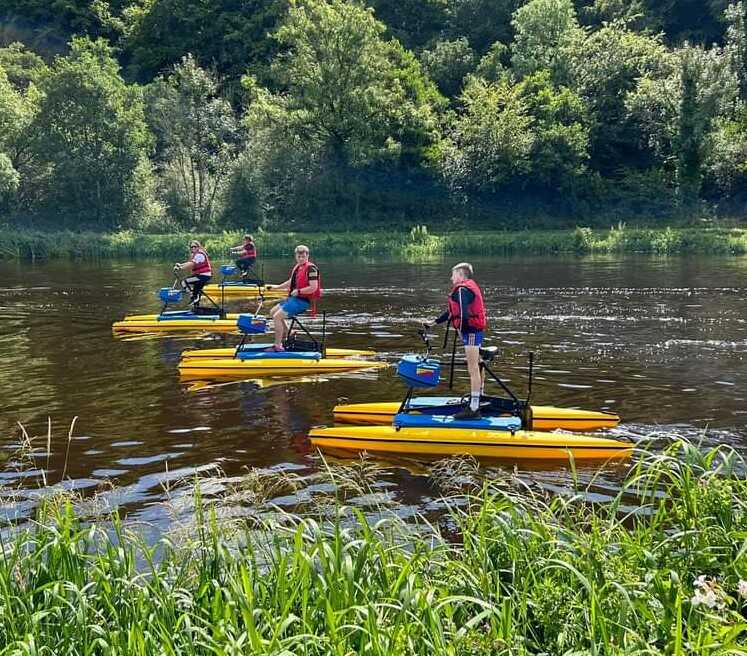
(742, 589)
(706, 598)
(707, 593)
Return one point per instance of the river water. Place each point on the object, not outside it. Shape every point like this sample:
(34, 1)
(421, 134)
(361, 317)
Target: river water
(661, 341)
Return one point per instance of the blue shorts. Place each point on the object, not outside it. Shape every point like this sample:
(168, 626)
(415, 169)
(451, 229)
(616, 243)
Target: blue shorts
(472, 339)
(293, 306)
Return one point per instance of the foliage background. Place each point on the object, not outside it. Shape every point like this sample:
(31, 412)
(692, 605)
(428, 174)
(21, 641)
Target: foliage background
(165, 115)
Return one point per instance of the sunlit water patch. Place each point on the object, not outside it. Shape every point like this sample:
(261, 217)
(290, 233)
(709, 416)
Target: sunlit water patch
(661, 341)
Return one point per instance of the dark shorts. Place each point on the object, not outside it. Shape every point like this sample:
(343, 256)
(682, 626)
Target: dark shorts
(245, 263)
(196, 283)
(472, 339)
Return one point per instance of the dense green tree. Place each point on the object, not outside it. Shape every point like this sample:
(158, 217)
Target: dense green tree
(736, 43)
(73, 16)
(447, 63)
(492, 141)
(605, 66)
(350, 104)
(726, 160)
(709, 90)
(12, 112)
(676, 114)
(482, 22)
(21, 65)
(10, 180)
(225, 35)
(198, 138)
(48, 25)
(561, 129)
(690, 132)
(597, 12)
(698, 21)
(531, 133)
(545, 30)
(494, 63)
(91, 134)
(347, 92)
(10, 109)
(18, 107)
(412, 22)
(342, 104)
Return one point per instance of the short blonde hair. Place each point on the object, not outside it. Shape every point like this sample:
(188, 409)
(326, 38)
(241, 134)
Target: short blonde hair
(248, 238)
(194, 242)
(302, 249)
(465, 268)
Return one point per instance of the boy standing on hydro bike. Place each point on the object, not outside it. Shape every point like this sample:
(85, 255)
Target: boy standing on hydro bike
(466, 311)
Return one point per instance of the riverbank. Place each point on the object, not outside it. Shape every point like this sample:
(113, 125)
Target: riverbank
(659, 568)
(415, 243)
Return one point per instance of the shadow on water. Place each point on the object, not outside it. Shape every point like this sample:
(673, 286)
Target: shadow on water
(661, 341)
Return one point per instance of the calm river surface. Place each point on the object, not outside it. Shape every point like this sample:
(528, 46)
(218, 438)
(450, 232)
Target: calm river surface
(661, 341)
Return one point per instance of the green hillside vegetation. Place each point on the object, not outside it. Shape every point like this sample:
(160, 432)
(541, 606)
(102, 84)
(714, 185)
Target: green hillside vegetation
(185, 115)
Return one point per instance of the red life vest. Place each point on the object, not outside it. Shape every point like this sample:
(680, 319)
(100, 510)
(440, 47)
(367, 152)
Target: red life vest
(476, 318)
(250, 250)
(300, 280)
(202, 268)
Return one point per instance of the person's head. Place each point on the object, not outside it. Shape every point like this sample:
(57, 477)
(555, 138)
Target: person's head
(194, 245)
(462, 271)
(248, 239)
(302, 253)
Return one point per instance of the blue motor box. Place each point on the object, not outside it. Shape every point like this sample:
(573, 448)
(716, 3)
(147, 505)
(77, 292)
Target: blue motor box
(229, 269)
(418, 372)
(170, 295)
(250, 324)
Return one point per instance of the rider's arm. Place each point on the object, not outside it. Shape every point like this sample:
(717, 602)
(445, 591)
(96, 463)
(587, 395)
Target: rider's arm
(313, 285)
(283, 285)
(466, 297)
(442, 317)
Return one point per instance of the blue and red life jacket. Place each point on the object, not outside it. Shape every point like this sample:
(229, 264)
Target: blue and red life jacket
(476, 319)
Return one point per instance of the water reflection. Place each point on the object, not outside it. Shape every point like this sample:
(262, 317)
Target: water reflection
(661, 341)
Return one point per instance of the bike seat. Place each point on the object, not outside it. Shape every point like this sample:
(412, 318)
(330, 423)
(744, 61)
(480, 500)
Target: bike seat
(488, 353)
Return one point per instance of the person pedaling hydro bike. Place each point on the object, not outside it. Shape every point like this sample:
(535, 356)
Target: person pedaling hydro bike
(304, 288)
(466, 311)
(247, 253)
(198, 271)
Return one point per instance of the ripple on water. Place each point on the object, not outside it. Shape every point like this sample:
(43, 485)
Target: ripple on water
(670, 355)
(108, 473)
(196, 429)
(147, 460)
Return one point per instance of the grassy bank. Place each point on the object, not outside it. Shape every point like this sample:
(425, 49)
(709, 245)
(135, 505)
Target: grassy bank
(415, 243)
(660, 569)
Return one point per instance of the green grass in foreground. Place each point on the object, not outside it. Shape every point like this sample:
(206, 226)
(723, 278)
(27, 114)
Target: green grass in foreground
(416, 243)
(524, 574)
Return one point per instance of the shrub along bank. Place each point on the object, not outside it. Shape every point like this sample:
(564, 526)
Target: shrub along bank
(418, 242)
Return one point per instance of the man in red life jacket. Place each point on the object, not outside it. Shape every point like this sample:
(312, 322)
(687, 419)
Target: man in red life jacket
(247, 253)
(197, 269)
(304, 287)
(466, 311)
